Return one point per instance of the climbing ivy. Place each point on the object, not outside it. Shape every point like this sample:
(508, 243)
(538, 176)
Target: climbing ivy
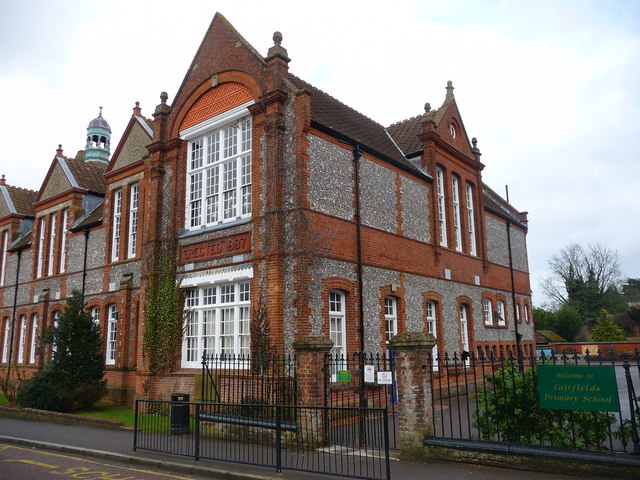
(164, 312)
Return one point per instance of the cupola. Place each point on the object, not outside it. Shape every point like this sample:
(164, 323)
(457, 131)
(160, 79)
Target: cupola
(98, 140)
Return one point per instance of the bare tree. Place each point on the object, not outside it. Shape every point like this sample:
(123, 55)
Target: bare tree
(583, 277)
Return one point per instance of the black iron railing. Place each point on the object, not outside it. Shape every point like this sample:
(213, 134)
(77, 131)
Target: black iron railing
(266, 379)
(497, 398)
(312, 439)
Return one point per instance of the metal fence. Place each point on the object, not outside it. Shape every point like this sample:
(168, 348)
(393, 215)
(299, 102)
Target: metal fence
(313, 439)
(266, 379)
(490, 398)
(347, 384)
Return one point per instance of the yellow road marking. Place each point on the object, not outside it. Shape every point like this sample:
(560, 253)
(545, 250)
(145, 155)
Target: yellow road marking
(31, 462)
(88, 461)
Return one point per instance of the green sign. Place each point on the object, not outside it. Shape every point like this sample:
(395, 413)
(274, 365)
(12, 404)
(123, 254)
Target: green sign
(591, 388)
(344, 375)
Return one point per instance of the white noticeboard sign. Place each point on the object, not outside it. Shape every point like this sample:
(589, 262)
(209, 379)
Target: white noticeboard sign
(384, 378)
(369, 373)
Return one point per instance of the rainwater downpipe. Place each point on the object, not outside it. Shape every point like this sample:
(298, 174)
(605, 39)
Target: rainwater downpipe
(13, 318)
(357, 155)
(513, 297)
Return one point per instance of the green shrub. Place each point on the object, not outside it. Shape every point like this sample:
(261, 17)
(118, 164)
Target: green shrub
(44, 391)
(510, 408)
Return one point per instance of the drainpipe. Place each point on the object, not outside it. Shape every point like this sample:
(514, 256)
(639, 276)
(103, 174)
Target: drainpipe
(84, 264)
(357, 155)
(13, 319)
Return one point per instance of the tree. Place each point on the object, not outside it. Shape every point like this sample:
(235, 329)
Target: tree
(568, 323)
(72, 378)
(544, 319)
(606, 330)
(631, 290)
(586, 279)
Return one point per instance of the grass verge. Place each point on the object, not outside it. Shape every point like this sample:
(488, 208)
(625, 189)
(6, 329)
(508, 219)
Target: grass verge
(119, 414)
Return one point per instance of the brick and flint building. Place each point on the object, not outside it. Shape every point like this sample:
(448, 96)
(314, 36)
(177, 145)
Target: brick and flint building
(281, 201)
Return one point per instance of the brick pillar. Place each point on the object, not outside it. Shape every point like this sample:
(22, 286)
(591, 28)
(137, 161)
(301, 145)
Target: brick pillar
(310, 352)
(414, 389)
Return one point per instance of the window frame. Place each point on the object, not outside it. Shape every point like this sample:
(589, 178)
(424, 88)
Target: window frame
(431, 315)
(390, 317)
(111, 334)
(220, 168)
(34, 336)
(116, 222)
(22, 338)
(5, 343)
(487, 312)
(132, 232)
(42, 224)
(207, 306)
(3, 259)
(501, 310)
(471, 221)
(441, 206)
(63, 241)
(457, 224)
(52, 244)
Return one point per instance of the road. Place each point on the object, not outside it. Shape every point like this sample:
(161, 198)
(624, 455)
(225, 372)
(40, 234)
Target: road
(17, 463)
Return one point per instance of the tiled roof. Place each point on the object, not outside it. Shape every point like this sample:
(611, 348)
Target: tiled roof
(499, 206)
(405, 134)
(88, 175)
(93, 217)
(23, 200)
(335, 115)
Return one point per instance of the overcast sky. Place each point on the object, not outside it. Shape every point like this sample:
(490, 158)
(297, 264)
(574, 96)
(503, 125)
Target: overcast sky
(551, 89)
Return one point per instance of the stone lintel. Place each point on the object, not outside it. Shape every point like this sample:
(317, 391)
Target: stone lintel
(318, 344)
(413, 342)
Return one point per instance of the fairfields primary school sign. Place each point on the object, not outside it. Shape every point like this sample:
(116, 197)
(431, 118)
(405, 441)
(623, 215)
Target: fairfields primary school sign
(591, 388)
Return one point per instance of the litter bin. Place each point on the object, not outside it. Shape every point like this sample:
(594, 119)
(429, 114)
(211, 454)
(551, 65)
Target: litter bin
(179, 413)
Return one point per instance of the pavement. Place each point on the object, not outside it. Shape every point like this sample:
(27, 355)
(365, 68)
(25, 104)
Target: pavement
(116, 444)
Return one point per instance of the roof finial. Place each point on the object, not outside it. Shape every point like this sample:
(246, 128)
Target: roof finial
(137, 111)
(100, 114)
(163, 97)
(59, 150)
(427, 107)
(3, 182)
(277, 50)
(449, 89)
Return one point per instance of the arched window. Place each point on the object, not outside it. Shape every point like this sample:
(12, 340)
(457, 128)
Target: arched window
(23, 338)
(112, 332)
(432, 329)
(390, 317)
(5, 344)
(464, 327)
(34, 338)
(487, 311)
(501, 314)
(337, 323)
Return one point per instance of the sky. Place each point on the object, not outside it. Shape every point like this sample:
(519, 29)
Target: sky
(549, 88)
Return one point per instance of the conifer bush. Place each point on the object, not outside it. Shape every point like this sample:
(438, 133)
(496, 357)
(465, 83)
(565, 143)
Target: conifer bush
(72, 378)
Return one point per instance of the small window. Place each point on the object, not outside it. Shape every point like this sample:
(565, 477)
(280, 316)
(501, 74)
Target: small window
(112, 332)
(95, 315)
(501, 314)
(390, 317)
(487, 311)
(34, 338)
(452, 130)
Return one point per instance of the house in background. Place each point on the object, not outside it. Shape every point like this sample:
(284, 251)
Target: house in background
(282, 202)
